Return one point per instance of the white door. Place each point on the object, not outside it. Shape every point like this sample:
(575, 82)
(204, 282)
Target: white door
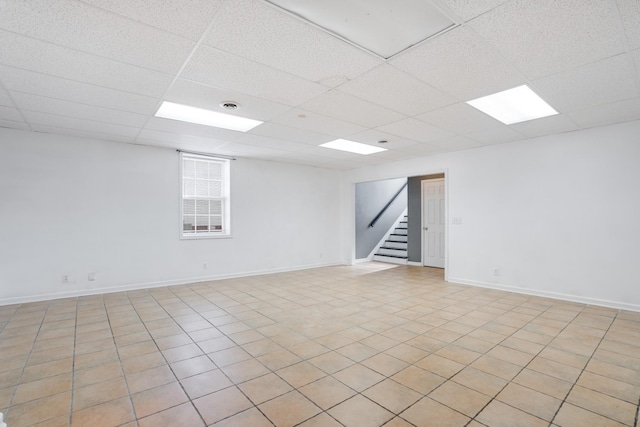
(433, 223)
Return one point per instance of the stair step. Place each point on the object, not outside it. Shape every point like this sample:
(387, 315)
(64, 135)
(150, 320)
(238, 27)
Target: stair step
(395, 244)
(393, 256)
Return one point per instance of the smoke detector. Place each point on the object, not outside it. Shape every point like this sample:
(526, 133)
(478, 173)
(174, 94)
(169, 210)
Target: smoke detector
(230, 105)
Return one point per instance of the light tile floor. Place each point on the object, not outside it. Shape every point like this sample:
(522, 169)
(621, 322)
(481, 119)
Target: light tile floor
(355, 346)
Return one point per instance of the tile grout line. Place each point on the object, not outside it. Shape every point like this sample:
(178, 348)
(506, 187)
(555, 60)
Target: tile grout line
(583, 369)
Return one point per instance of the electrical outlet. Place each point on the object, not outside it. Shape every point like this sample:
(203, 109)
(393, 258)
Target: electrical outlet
(92, 277)
(66, 278)
(496, 271)
(204, 266)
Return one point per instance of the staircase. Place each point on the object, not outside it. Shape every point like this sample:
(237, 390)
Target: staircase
(394, 249)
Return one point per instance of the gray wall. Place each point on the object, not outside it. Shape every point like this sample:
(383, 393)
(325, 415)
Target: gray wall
(371, 197)
(414, 212)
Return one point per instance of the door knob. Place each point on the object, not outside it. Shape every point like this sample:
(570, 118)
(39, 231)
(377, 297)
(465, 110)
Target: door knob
(426, 228)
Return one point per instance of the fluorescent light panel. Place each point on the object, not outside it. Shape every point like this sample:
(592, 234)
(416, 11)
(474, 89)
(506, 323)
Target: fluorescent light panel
(379, 26)
(352, 147)
(186, 113)
(514, 105)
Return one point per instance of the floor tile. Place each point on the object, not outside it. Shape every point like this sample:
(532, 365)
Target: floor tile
(460, 398)
(300, 374)
(497, 414)
(427, 412)
(207, 382)
(181, 415)
(530, 401)
(289, 409)
(602, 404)
(574, 416)
(221, 404)
(251, 417)
(359, 411)
(95, 394)
(113, 413)
(327, 392)
(418, 379)
(264, 388)
(392, 396)
(358, 377)
(158, 399)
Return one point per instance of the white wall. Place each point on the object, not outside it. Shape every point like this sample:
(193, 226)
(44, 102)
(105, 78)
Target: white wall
(75, 206)
(557, 215)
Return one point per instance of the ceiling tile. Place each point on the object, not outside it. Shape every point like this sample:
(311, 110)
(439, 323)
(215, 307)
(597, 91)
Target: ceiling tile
(544, 37)
(601, 115)
(219, 69)
(630, 14)
(86, 28)
(351, 109)
(273, 143)
(188, 18)
(4, 98)
(415, 130)
(51, 120)
(203, 96)
(248, 151)
(42, 104)
(603, 82)
(459, 64)
(459, 118)
(317, 123)
(11, 124)
(545, 126)
(24, 81)
(455, 143)
(185, 128)
(383, 85)
(372, 136)
(10, 113)
(179, 141)
(497, 135)
(469, 9)
(422, 149)
(304, 159)
(288, 133)
(35, 55)
(282, 41)
(80, 133)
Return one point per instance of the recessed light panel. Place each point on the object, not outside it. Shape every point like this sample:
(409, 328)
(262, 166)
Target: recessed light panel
(352, 147)
(379, 26)
(186, 113)
(514, 105)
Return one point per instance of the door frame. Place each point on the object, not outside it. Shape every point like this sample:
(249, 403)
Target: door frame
(445, 172)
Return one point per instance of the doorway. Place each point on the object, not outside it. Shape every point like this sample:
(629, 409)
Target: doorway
(433, 222)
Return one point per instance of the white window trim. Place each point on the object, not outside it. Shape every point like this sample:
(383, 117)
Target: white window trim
(225, 233)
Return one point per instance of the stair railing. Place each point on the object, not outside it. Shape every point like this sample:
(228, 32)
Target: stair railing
(377, 217)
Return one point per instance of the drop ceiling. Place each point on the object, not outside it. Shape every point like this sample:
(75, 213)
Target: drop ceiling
(101, 68)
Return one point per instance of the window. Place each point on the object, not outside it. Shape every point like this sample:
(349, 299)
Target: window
(205, 196)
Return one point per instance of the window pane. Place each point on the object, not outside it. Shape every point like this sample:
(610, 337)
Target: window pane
(202, 169)
(202, 188)
(188, 223)
(216, 222)
(215, 188)
(188, 207)
(216, 207)
(202, 207)
(189, 187)
(215, 170)
(189, 168)
(202, 223)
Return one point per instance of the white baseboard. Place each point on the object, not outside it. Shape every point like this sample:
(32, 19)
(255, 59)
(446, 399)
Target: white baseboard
(415, 264)
(547, 294)
(149, 285)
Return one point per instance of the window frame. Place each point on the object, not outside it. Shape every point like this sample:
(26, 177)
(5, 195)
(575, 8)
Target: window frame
(225, 233)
